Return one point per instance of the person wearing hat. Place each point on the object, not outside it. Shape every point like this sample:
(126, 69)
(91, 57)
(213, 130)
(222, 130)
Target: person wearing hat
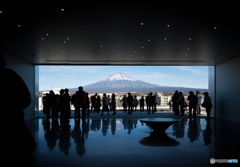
(207, 104)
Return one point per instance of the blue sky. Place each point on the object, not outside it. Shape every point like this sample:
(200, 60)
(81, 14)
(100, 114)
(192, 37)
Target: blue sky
(81, 75)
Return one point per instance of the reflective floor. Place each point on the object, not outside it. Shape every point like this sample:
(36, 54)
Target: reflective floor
(123, 142)
(128, 142)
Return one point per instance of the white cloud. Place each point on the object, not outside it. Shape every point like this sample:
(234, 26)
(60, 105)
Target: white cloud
(191, 70)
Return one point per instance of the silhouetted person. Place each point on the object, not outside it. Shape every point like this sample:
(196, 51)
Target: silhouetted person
(99, 104)
(51, 109)
(207, 103)
(113, 104)
(75, 100)
(192, 98)
(105, 103)
(181, 102)
(67, 99)
(130, 103)
(82, 94)
(124, 103)
(135, 103)
(151, 101)
(78, 100)
(142, 104)
(17, 138)
(93, 99)
(61, 105)
(175, 103)
(60, 102)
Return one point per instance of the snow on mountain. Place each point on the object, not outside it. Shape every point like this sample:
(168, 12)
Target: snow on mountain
(119, 76)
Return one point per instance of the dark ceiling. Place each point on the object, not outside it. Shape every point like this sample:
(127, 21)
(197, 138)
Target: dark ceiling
(149, 33)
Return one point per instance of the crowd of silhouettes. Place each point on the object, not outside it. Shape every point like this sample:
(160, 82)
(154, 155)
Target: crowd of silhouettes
(193, 102)
(85, 105)
(53, 104)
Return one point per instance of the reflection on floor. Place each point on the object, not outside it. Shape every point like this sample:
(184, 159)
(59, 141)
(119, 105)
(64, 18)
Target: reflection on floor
(124, 142)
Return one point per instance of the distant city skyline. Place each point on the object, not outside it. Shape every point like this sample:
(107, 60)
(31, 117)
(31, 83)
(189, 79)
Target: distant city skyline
(72, 76)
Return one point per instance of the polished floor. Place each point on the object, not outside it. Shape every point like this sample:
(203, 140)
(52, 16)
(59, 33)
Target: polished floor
(124, 142)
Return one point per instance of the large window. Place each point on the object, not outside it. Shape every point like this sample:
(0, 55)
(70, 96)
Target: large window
(139, 80)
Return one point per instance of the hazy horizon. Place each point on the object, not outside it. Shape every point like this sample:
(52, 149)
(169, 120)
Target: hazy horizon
(72, 76)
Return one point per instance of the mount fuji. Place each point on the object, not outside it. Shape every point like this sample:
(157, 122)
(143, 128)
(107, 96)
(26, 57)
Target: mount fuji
(119, 82)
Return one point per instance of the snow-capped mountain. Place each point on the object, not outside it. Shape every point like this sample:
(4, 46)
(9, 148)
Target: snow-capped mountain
(119, 82)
